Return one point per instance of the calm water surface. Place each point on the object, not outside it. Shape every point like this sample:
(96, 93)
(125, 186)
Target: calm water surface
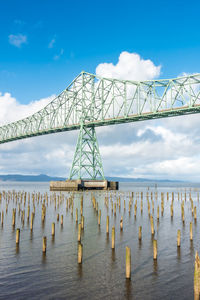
(25, 273)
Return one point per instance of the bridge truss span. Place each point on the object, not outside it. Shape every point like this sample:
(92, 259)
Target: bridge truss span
(91, 101)
(102, 101)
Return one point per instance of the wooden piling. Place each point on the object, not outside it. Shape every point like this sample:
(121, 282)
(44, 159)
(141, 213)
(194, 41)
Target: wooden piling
(80, 252)
(195, 213)
(76, 215)
(79, 232)
(135, 210)
(99, 218)
(191, 235)
(61, 220)
(152, 225)
(140, 233)
(28, 212)
(13, 218)
(197, 276)
(107, 224)
(128, 263)
(44, 246)
(121, 223)
(31, 224)
(17, 235)
(113, 237)
(154, 249)
(162, 207)
(178, 238)
(2, 215)
(115, 209)
(53, 229)
(172, 210)
(82, 222)
(158, 212)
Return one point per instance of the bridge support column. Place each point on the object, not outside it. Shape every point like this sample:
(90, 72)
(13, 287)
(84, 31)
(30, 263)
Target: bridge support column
(87, 162)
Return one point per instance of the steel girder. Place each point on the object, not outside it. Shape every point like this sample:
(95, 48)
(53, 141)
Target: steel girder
(87, 159)
(102, 101)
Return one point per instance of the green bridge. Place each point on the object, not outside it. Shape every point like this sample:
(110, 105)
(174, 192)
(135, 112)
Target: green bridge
(91, 101)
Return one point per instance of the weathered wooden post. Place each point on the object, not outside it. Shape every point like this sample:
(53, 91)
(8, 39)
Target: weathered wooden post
(31, 224)
(140, 233)
(82, 209)
(121, 223)
(172, 210)
(113, 237)
(115, 209)
(179, 238)
(191, 235)
(17, 235)
(82, 222)
(107, 224)
(28, 212)
(79, 232)
(152, 225)
(61, 220)
(99, 218)
(155, 249)
(162, 207)
(195, 213)
(53, 229)
(76, 215)
(13, 218)
(135, 210)
(196, 276)
(2, 215)
(158, 212)
(128, 263)
(44, 247)
(80, 252)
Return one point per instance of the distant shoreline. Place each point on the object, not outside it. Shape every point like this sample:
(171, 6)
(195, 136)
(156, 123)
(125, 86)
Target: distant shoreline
(46, 178)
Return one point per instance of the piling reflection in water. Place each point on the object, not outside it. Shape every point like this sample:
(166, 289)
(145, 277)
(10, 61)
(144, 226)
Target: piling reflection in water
(87, 244)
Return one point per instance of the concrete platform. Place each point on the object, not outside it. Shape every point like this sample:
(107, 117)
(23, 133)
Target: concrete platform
(81, 185)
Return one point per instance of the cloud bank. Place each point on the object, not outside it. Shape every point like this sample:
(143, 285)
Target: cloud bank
(17, 40)
(130, 66)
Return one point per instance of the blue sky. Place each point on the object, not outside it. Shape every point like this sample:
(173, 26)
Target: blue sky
(87, 33)
(44, 45)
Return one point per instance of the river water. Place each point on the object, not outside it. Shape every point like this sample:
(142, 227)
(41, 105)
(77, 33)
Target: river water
(26, 273)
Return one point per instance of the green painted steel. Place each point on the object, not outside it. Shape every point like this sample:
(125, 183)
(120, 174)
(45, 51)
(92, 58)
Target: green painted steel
(91, 101)
(87, 159)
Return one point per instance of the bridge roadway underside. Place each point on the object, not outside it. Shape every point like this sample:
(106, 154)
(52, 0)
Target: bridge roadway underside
(80, 185)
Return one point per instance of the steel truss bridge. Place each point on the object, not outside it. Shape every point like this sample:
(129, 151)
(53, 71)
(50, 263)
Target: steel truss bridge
(91, 101)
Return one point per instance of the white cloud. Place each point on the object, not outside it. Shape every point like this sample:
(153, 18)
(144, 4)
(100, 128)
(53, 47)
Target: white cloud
(58, 56)
(12, 110)
(130, 66)
(17, 40)
(51, 154)
(51, 43)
